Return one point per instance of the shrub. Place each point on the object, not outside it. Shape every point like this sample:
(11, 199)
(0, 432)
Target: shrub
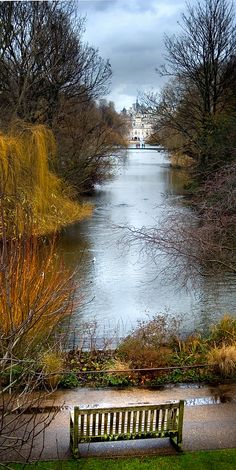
(224, 332)
(120, 376)
(141, 355)
(36, 294)
(149, 345)
(52, 364)
(223, 359)
(69, 380)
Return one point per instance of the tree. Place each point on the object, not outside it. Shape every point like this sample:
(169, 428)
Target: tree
(48, 75)
(88, 140)
(202, 61)
(42, 58)
(28, 189)
(36, 294)
(204, 49)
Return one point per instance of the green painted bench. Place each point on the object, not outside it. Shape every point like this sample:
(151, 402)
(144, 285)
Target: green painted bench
(127, 422)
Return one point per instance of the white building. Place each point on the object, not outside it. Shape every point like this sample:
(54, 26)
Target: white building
(141, 128)
(140, 124)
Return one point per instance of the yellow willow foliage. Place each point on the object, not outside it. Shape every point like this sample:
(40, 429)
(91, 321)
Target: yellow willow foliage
(36, 293)
(29, 186)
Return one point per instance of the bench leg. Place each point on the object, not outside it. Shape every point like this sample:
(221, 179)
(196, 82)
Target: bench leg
(74, 449)
(74, 439)
(176, 444)
(76, 453)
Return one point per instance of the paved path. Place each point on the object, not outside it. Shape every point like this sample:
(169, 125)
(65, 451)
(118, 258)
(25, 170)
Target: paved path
(209, 421)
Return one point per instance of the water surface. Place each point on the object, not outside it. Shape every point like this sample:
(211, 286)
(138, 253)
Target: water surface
(120, 285)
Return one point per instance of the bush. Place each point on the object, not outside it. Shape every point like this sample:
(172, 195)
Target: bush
(141, 355)
(223, 360)
(52, 364)
(120, 376)
(69, 380)
(224, 332)
(149, 345)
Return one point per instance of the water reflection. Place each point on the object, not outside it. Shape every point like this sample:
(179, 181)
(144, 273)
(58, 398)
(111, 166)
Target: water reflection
(119, 285)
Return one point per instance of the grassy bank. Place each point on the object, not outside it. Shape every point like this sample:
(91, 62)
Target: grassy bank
(217, 460)
(153, 354)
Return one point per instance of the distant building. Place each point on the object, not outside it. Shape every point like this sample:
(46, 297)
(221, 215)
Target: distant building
(140, 123)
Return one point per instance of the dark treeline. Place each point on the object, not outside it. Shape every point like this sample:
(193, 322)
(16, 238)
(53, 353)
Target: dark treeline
(49, 76)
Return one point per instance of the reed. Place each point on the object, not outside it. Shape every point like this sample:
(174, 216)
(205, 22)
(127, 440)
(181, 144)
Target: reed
(223, 360)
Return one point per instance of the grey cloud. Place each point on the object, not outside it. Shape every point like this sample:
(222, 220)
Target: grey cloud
(96, 5)
(126, 5)
(130, 33)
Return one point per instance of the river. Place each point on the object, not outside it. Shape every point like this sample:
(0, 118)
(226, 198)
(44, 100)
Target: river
(117, 284)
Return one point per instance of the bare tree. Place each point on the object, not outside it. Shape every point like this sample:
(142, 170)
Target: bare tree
(198, 106)
(200, 54)
(42, 57)
(88, 140)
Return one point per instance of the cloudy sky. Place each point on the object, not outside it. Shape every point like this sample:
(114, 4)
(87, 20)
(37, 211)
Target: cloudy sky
(130, 34)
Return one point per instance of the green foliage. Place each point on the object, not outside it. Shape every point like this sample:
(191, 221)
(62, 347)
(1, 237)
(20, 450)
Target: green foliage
(135, 353)
(116, 380)
(69, 380)
(120, 376)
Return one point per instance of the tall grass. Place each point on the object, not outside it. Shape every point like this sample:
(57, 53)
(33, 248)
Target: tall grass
(223, 359)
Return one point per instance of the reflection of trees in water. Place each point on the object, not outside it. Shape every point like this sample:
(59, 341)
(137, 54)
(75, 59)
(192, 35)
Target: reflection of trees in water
(199, 242)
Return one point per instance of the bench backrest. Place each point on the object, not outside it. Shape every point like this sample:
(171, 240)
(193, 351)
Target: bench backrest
(128, 422)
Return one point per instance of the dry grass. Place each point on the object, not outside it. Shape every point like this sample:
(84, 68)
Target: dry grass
(118, 366)
(223, 359)
(179, 160)
(52, 363)
(224, 332)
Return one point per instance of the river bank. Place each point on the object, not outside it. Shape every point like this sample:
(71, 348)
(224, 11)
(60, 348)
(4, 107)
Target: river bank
(153, 354)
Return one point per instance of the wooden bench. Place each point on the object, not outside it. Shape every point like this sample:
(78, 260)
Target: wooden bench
(129, 422)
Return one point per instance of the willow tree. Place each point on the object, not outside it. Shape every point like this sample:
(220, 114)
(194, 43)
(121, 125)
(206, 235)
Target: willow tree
(36, 291)
(29, 190)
